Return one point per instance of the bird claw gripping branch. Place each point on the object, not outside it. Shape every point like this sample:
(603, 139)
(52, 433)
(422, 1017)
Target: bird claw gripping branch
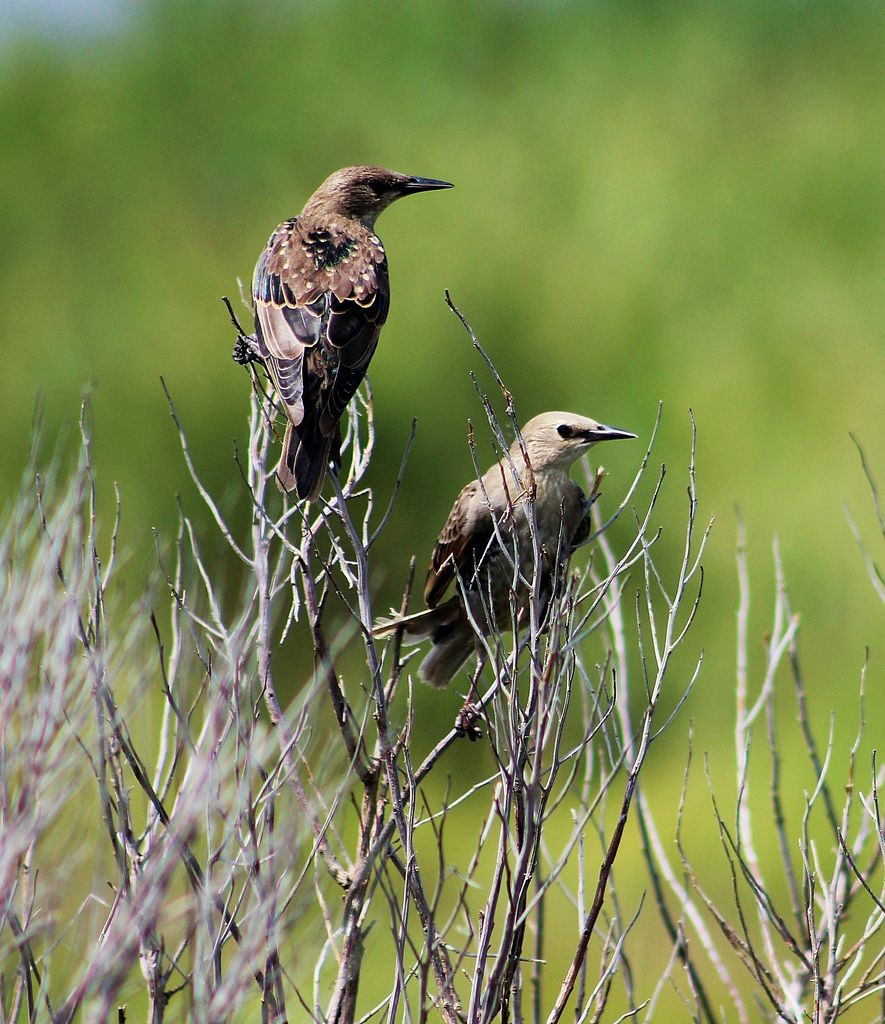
(465, 722)
(246, 350)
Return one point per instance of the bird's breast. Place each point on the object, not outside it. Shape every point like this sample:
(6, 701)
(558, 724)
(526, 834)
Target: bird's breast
(557, 507)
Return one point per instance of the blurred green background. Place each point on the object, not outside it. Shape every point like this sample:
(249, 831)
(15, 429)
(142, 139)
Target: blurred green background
(678, 202)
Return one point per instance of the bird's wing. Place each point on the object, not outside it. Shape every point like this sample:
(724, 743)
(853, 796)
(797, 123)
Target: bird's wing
(577, 521)
(321, 297)
(461, 544)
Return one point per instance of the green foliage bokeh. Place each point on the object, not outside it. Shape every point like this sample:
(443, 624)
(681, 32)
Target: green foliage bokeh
(681, 203)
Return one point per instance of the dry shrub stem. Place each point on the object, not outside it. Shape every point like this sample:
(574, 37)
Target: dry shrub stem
(255, 859)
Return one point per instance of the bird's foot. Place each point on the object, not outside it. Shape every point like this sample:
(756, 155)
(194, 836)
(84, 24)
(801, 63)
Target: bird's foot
(246, 350)
(465, 721)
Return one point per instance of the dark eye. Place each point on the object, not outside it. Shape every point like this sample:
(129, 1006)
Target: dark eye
(564, 430)
(378, 186)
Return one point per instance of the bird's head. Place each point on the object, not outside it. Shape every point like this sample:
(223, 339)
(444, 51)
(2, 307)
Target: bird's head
(557, 439)
(363, 192)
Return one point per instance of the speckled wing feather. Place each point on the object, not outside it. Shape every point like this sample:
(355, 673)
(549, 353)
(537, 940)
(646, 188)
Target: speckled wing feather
(461, 544)
(321, 297)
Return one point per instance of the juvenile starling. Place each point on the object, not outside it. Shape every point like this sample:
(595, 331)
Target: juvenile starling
(321, 296)
(488, 534)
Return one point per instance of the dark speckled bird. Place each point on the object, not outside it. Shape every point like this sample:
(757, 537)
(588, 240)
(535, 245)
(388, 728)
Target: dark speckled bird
(321, 296)
(488, 534)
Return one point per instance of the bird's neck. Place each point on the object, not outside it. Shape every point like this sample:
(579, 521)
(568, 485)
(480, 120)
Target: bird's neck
(551, 479)
(368, 220)
(324, 213)
(541, 482)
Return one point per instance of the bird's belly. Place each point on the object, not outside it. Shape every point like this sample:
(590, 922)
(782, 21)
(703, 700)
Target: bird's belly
(500, 595)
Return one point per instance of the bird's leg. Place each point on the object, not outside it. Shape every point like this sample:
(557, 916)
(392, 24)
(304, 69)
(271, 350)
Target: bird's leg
(465, 720)
(246, 348)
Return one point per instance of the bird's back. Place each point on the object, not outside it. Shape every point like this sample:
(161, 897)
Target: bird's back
(321, 297)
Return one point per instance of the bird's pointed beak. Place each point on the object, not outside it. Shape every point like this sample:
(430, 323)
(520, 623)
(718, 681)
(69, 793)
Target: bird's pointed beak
(424, 185)
(603, 433)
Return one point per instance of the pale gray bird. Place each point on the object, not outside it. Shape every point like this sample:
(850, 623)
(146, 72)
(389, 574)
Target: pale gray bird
(488, 531)
(321, 296)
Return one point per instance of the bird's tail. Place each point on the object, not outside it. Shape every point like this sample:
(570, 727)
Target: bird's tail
(304, 458)
(444, 659)
(414, 627)
(448, 628)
